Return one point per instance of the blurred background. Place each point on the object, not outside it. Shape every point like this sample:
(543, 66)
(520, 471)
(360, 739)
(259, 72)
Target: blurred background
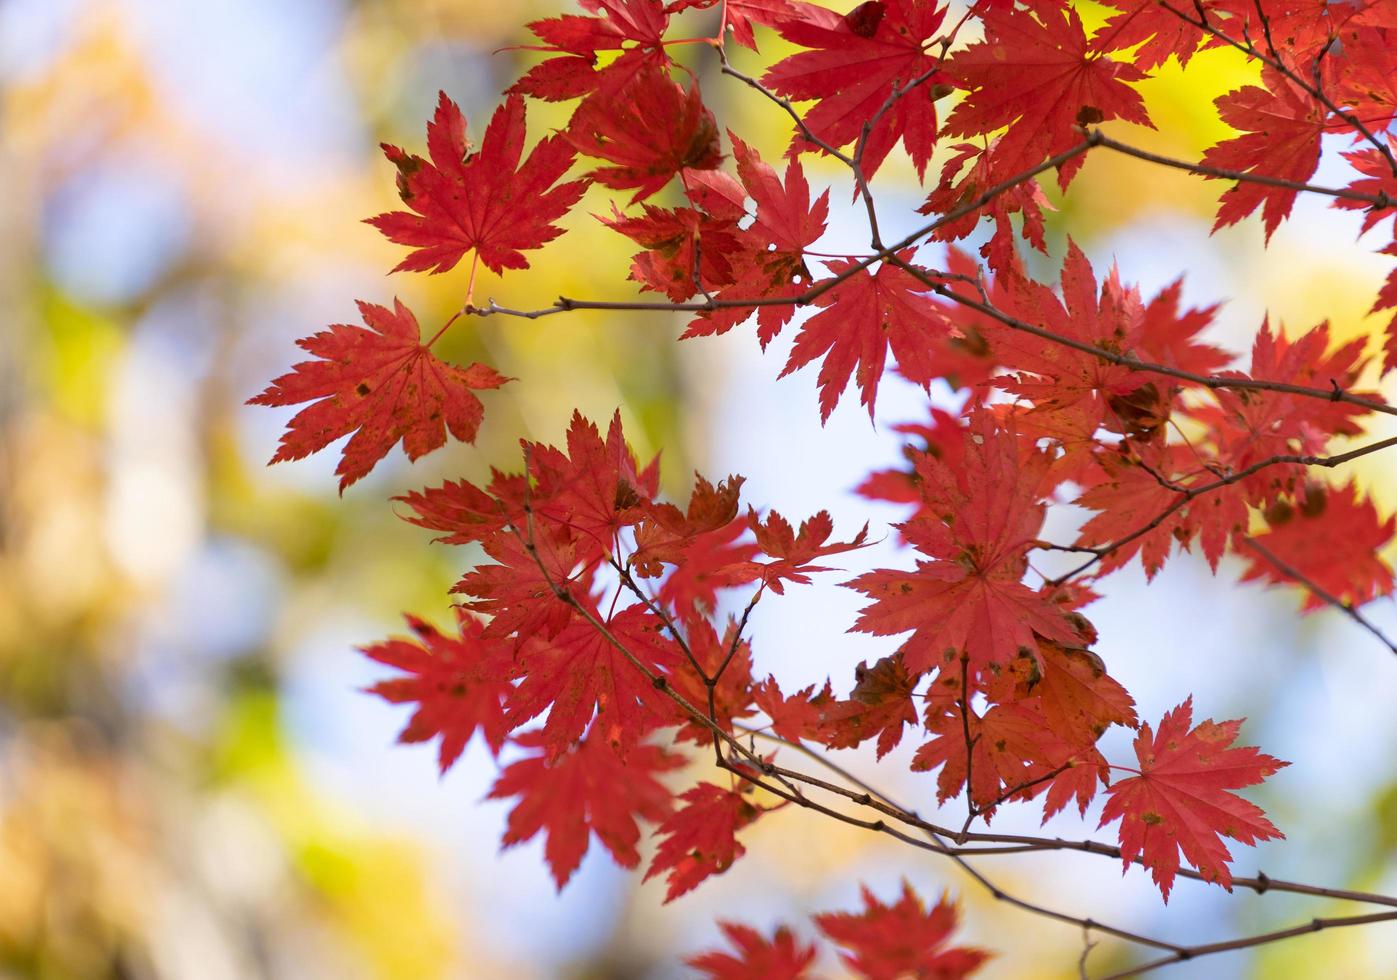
(192, 783)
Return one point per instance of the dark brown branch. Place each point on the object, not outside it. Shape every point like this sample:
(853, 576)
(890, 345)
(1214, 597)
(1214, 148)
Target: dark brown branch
(1376, 200)
(1194, 952)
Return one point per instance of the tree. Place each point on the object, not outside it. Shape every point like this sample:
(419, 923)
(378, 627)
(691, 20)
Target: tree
(595, 639)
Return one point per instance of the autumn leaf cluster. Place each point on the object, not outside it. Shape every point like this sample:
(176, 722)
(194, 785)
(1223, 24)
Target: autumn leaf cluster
(601, 647)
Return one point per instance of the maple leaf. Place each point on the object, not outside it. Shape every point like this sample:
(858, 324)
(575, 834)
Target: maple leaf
(1163, 32)
(779, 958)
(795, 717)
(856, 63)
(1281, 125)
(974, 166)
(1333, 538)
(593, 489)
(1079, 700)
(666, 533)
(381, 383)
(649, 128)
(465, 513)
(685, 250)
(458, 684)
(885, 942)
(979, 522)
(518, 592)
(587, 789)
(577, 39)
(860, 320)
(1074, 393)
(772, 262)
(1136, 492)
(1057, 84)
(740, 15)
(1013, 751)
(880, 704)
(1250, 426)
(1179, 801)
(580, 673)
(699, 838)
(1377, 179)
(486, 201)
(794, 552)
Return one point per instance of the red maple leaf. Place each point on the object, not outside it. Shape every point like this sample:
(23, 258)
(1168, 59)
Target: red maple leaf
(856, 63)
(649, 128)
(1013, 751)
(881, 704)
(1179, 801)
(779, 958)
(580, 673)
(1250, 426)
(577, 39)
(794, 717)
(970, 600)
(699, 839)
(458, 684)
(860, 320)
(1079, 700)
(904, 939)
(772, 261)
(793, 552)
(1137, 491)
(1055, 85)
(1281, 125)
(974, 166)
(667, 533)
(1163, 32)
(685, 250)
(485, 200)
(740, 15)
(1332, 538)
(593, 489)
(517, 592)
(465, 513)
(587, 789)
(382, 384)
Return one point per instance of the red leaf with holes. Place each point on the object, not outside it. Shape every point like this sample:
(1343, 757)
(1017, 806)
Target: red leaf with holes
(381, 383)
(487, 200)
(699, 838)
(903, 939)
(772, 261)
(458, 683)
(1180, 800)
(779, 958)
(586, 790)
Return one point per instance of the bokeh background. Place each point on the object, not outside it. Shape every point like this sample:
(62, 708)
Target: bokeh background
(192, 783)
